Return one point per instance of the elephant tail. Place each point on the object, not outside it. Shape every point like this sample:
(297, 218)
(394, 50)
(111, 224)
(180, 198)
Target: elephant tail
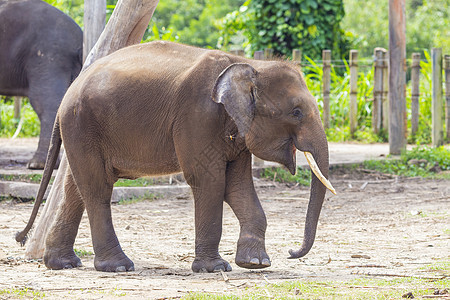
(52, 158)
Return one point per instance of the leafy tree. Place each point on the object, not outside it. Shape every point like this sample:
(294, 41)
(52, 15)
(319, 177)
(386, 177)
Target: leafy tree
(284, 25)
(73, 8)
(427, 24)
(190, 21)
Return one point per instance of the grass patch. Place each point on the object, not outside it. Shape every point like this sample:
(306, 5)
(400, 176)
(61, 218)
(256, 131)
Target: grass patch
(21, 293)
(145, 197)
(31, 178)
(82, 252)
(421, 161)
(137, 182)
(364, 288)
(302, 177)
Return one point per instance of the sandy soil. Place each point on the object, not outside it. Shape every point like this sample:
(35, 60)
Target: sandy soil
(376, 225)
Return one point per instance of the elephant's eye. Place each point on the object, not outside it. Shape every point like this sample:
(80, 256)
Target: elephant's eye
(297, 113)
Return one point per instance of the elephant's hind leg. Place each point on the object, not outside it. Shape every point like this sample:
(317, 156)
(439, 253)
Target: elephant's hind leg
(96, 186)
(59, 252)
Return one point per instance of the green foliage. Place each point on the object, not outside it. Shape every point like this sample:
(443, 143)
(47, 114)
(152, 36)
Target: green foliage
(191, 22)
(136, 182)
(31, 178)
(21, 293)
(310, 25)
(30, 123)
(82, 252)
(421, 161)
(427, 24)
(302, 176)
(145, 197)
(72, 8)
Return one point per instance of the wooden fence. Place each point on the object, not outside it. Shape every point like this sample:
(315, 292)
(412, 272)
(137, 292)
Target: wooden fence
(380, 108)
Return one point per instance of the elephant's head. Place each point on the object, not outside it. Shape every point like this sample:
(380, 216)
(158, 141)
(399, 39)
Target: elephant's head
(275, 112)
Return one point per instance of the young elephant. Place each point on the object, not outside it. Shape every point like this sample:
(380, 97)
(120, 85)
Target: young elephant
(161, 108)
(41, 53)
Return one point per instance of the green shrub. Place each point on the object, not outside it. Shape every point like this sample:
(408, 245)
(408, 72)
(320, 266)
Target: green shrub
(30, 123)
(420, 161)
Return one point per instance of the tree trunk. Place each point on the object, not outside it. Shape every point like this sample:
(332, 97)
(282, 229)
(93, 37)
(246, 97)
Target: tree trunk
(126, 27)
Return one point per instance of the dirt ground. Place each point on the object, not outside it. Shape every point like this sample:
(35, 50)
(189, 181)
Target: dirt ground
(375, 226)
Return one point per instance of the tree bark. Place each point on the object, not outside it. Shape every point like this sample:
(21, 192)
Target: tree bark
(126, 27)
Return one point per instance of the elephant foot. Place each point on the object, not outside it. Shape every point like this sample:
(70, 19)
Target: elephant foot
(208, 265)
(38, 162)
(57, 260)
(117, 263)
(251, 253)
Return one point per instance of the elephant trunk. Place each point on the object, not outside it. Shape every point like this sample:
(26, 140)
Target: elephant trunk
(319, 175)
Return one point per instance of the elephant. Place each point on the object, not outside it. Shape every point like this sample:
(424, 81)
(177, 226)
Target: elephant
(162, 108)
(40, 55)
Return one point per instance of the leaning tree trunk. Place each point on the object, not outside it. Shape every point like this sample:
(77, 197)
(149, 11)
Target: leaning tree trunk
(126, 26)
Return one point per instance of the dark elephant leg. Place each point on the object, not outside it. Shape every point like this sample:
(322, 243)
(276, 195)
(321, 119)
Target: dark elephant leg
(241, 196)
(45, 93)
(59, 252)
(96, 187)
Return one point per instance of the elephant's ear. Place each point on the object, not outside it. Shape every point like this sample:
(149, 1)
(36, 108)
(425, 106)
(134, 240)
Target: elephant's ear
(235, 89)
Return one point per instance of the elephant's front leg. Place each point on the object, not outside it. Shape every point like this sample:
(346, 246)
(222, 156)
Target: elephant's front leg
(208, 187)
(241, 196)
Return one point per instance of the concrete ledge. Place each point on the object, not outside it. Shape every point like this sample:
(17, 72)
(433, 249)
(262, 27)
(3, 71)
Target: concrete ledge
(25, 190)
(22, 190)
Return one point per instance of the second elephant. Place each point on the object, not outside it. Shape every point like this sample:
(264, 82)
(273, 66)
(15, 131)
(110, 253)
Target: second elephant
(41, 53)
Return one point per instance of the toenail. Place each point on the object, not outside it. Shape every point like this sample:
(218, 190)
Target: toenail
(254, 261)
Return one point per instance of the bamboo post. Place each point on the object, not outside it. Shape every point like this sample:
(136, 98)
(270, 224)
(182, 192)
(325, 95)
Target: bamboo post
(326, 85)
(268, 54)
(437, 112)
(397, 76)
(17, 107)
(126, 26)
(385, 99)
(353, 90)
(447, 95)
(258, 55)
(415, 92)
(297, 56)
(239, 52)
(94, 23)
(377, 105)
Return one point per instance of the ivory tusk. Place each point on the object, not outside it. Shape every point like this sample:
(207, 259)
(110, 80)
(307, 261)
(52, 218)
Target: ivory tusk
(313, 165)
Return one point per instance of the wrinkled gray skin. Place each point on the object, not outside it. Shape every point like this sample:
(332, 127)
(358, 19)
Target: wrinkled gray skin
(161, 108)
(40, 55)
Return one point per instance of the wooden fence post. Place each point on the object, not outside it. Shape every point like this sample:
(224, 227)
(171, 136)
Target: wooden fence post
(385, 93)
(259, 55)
(268, 54)
(437, 114)
(17, 107)
(377, 105)
(297, 56)
(397, 76)
(94, 23)
(415, 92)
(447, 95)
(326, 84)
(239, 52)
(353, 90)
